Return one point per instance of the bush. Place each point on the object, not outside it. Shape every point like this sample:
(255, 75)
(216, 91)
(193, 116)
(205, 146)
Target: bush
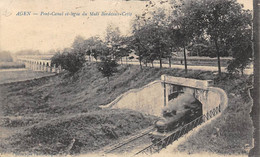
(242, 58)
(107, 67)
(71, 61)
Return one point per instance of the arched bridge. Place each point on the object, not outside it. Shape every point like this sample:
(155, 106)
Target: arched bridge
(39, 64)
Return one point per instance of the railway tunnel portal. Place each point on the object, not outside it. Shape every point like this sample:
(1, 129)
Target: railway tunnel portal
(157, 95)
(187, 102)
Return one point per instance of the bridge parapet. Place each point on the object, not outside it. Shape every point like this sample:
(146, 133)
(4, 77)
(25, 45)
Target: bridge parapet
(187, 82)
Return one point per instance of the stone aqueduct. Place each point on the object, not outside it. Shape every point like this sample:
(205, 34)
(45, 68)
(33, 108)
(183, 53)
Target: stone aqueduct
(39, 65)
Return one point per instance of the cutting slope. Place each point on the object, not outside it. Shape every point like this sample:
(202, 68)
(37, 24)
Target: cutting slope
(60, 114)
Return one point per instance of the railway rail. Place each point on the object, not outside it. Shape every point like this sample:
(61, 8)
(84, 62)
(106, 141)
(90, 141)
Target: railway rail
(115, 147)
(155, 147)
(176, 134)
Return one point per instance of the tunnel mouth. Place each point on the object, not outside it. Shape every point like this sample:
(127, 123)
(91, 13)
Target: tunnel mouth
(182, 109)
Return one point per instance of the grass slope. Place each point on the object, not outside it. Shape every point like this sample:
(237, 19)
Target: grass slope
(52, 112)
(10, 65)
(231, 133)
(20, 75)
(90, 131)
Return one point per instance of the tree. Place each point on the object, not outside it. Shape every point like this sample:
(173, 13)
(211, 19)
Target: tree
(107, 67)
(201, 47)
(240, 44)
(137, 43)
(93, 46)
(78, 43)
(167, 32)
(151, 38)
(157, 45)
(124, 49)
(183, 25)
(203, 25)
(216, 19)
(139, 47)
(159, 38)
(112, 39)
(69, 60)
(241, 49)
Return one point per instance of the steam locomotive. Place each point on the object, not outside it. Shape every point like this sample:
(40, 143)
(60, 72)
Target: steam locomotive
(174, 119)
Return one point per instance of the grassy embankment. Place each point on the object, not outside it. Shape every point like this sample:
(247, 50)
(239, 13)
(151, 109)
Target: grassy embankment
(45, 115)
(231, 133)
(21, 75)
(11, 65)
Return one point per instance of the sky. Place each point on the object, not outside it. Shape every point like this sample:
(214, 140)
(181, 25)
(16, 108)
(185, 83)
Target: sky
(38, 31)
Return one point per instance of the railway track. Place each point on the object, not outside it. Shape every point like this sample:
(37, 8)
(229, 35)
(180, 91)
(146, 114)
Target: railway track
(141, 142)
(179, 132)
(129, 143)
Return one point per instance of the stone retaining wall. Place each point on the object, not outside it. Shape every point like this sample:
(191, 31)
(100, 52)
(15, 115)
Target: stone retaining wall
(151, 98)
(147, 99)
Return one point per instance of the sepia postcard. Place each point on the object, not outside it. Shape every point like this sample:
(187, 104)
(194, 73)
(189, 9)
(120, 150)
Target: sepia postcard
(129, 78)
